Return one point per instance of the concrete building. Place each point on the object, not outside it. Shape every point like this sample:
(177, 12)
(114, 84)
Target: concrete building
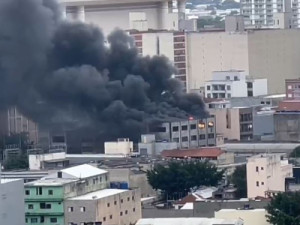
(292, 87)
(121, 146)
(189, 221)
(126, 15)
(108, 206)
(263, 123)
(234, 123)
(232, 84)
(266, 174)
(188, 133)
(249, 216)
(48, 161)
(12, 202)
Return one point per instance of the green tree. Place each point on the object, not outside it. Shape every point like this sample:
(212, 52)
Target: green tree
(239, 179)
(18, 162)
(178, 178)
(296, 152)
(284, 209)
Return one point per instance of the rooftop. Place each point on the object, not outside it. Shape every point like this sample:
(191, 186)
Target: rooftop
(50, 182)
(83, 171)
(99, 194)
(187, 221)
(289, 105)
(193, 153)
(4, 181)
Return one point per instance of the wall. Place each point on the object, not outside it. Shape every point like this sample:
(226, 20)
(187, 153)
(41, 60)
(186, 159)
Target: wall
(119, 147)
(249, 217)
(263, 124)
(226, 158)
(35, 161)
(260, 87)
(12, 202)
(287, 126)
(239, 89)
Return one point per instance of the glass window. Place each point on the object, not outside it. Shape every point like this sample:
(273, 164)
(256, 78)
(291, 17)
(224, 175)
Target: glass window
(70, 209)
(184, 127)
(30, 206)
(257, 183)
(193, 137)
(126, 212)
(257, 169)
(211, 135)
(82, 209)
(121, 213)
(133, 209)
(128, 199)
(110, 217)
(104, 218)
(27, 192)
(115, 202)
(193, 126)
(202, 136)
(50, 192)
(184, 139)
(33, 220)
(174, 129)
(208, 87)
(108, 204)
(228, 87)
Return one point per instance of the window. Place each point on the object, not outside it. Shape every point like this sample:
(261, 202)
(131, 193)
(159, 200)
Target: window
(290, 87)
(235, 78)
(43, 205)
(82, 223)
(208, 95)
(184, 127)
(70, 209)
(115, 202)
(104, 218)
(250, 93)
(228, 87)
(211, 135)
(257, 169)
(33, 220)
(30, 206)
(257, 183)
(193, 126)
(53, 220)
(108, 205)
(227, 77)
(208, 87)
(261, 168)
(184, 139)
(249, 85)
(132, 198)
(174, 129)
(126, 212)
(128, 199)
(176, 139)
(50, 192)
(110, 217)
(210, 124)
(121, 213)
(82, 209)
(201, 125)
(27, 192)
(262, 183)
(202, 136)
(96, 223)
(193, 138)
(42, 219)
(121, 200)
(228, 95)
(133, 209)
(40, 191)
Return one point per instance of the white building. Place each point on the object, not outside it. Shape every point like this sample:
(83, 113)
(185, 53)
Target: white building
(121, 146)
(266, 174)
(249, 216)
(189, 221)
(12, 206)
(126, 15)
(234, 83)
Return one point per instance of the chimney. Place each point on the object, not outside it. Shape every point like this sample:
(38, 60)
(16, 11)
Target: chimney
(59, 174)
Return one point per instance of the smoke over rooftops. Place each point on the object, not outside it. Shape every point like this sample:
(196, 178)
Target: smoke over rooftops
(60, 72)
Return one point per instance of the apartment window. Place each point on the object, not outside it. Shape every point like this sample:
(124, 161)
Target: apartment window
(210, 124)
(133, 209)
(104, 218)
(53, 220)
(42, 219)
(201, 125)
(193, 138)
(261, 168)
(174, 129)
(30, 206)
(33, 220)
(184, 127)
(249, 85)
(208, 87)
(121, 213)
(50, 192)
(227, 77)
(128, 199)
(228, 95)
(202, 136)
(176, 139)
(126, 212)
(228, 87)
(43, 205)
(132, 198)
(262, 183)
(82, 209)
(27, 192)
(87, 183)
(250, 93)
(115, 202)
(235, 78)
(26, 220)
(184, 139)
(70, 209)
(39, 191)
(108, 204)
(121, 200)
(257, 169)
(211, 135)
(257, 183)
(208, 95)
(193, 126)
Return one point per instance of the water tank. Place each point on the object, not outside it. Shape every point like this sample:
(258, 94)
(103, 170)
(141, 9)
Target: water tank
(124, 185)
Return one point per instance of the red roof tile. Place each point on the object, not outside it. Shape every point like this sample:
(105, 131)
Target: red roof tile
(212, 152)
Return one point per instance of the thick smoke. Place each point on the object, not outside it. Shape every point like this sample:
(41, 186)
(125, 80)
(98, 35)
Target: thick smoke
(59, 72)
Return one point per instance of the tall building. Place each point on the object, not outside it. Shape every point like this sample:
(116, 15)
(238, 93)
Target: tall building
(266, 174)
(292, 87)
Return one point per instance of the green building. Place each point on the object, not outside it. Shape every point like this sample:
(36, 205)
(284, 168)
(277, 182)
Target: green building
(44, 199)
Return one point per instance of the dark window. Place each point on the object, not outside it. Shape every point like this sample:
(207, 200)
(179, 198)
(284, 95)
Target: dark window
(175, 128)
(250, 93)
(33, 220)
(235, 78)
(26, 220)
(53, 220)
(110, 217)
(193, 137)
(126, 212)
(184, 139)
(121, 213)
(262, 183)
(42, 219)
(249, 85)
(96, 223)
(176, 139)
(257, 169)
(133, 209)
(108, 205)
(50, 192)
(208, 88)
(40, 191)
(211, 135)
(261, 168)
(121, 200)
(43, 205)
(184, 127)
(27, 192)
(193, 126)
(132, 198)
(202, 136)
(257, 183)
(228, 87)
(115, 202)
(30, 206)
(128, 199)
(104, 218)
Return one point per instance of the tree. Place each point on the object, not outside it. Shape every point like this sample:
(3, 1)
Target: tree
(239, 179)
(178, 178)
(295, 153)
(18, 162)
(284, 209)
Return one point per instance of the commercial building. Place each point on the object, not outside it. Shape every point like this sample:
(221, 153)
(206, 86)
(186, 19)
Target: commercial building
(121, 146)
(189, 221)
(188, 133)
(12, 201)
(249, 216)
(292, 87)
(232, 84)
(266, 174)
(234, 123)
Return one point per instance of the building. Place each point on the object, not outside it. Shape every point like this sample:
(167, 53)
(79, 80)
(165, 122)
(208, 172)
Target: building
(127, 15)
(249, 216)
(12, 121)
(287, 121)
(12, 201)
(189, 221)
(266, 174)
(234, 123)
(232, 84)
(149, 146)
(188, 133)
(263, 123)
(121, 146)
(212, 154)
(292, 87)
(48, 161)
(108, 206)
(45, 198)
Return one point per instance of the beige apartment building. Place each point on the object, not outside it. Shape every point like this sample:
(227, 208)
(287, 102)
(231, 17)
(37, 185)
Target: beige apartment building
(266, 174)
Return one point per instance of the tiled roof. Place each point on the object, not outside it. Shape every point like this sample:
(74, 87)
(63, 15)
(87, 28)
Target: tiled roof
(193, 153)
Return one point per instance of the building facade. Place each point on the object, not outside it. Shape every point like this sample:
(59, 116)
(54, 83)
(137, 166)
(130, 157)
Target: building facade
(266, 174)
(188, 133)
(121, 146)
(292, 87)
(231, 84)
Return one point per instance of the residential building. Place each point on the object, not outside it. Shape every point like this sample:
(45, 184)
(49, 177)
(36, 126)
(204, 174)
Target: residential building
(190, 221)
(234, 123)
(287, 121)
(12, 121)
(234, 83)
(292, 87)
(266, 174)
(12, 201)
(108, 206)
(48, 161)
(188, 133)
(212, 154)
(121, 146)
(149, 146)
(249, 216)
(126, 15)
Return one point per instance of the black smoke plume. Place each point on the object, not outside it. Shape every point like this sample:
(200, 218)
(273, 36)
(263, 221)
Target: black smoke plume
(57, 72)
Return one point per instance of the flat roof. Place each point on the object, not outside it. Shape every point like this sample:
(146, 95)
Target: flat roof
(4, 181)
(83, 171)
(99, 194)
(51, 182)
(186, 221)
(234, 210)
